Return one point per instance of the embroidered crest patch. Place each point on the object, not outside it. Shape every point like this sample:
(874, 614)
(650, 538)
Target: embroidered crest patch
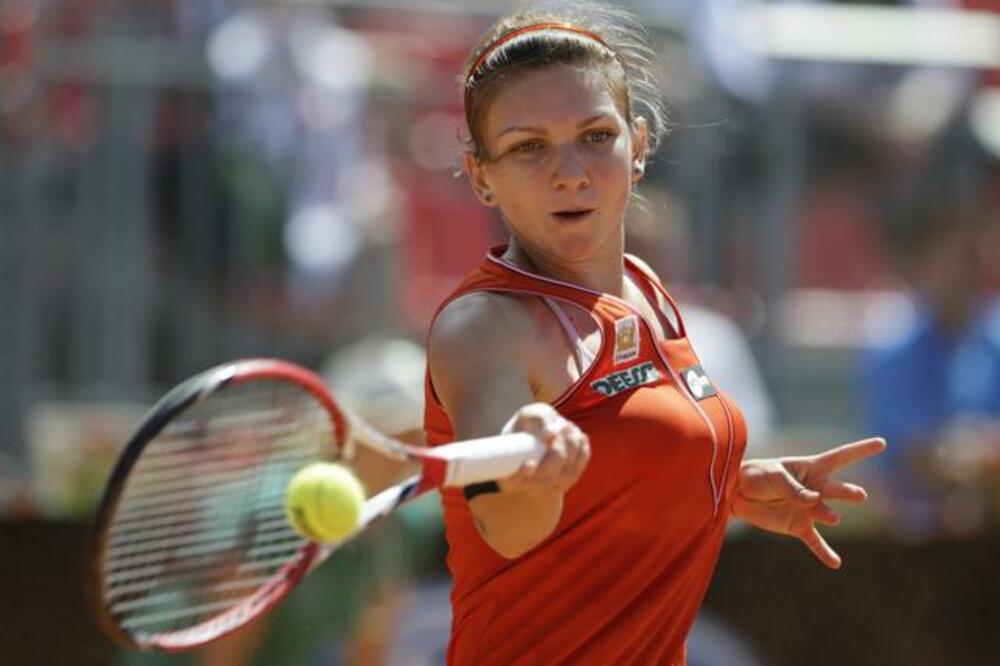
(626, 339)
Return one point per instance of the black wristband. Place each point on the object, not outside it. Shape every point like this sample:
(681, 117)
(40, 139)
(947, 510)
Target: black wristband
(482, 488)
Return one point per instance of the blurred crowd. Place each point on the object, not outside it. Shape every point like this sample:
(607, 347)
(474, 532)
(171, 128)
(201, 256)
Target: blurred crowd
(183, 182)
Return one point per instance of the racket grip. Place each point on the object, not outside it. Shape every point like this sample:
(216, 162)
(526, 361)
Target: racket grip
(488, 458)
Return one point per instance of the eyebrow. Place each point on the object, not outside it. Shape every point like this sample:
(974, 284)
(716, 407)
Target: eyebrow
(539, 130)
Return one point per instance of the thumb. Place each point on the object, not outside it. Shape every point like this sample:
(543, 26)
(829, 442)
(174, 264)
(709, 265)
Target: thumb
(795, 490)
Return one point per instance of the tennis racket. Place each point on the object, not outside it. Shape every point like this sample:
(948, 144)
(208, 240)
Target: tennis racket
(190, 539)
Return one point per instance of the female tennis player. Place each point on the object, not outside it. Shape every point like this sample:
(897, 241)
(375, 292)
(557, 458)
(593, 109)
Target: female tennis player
(600, 553)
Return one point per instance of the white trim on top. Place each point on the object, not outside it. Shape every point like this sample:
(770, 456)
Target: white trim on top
(716, 491)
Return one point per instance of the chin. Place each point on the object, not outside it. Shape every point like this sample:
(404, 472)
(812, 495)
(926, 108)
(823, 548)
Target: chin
(577, 248)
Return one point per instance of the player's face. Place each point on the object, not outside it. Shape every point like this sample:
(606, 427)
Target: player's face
(560, 162)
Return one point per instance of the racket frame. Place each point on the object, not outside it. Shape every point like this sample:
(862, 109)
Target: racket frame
(177, 400)
(458, 463)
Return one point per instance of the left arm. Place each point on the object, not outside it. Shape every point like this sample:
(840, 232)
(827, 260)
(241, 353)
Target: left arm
(789, 495)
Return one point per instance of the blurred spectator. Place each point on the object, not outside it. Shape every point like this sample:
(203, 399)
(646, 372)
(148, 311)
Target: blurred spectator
(931, 375)
(291, 104)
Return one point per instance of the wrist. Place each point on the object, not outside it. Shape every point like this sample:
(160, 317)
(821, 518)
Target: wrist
(482, 488)
(738, 497)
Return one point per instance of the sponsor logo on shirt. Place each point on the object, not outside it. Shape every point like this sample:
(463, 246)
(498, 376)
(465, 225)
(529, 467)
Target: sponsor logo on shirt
(697, 382)
(629, 378)
(626, 339)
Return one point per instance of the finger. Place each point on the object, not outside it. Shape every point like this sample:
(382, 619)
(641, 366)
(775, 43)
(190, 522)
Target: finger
(787, 486)
(539, 430)
(528, 418)
(572, 438)
(552, 463)
(527, 471)
(583, 458)
(822, 513)
(849, 454)
(559, 449)
(581, 453)
(540, 420)
(820, 548)
(843, 491)
(520, 478)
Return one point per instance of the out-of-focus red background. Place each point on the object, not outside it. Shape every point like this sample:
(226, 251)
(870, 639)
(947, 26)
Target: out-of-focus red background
(186, 182)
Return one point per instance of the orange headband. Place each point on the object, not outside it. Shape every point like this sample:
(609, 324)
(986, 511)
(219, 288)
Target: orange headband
(567, 27)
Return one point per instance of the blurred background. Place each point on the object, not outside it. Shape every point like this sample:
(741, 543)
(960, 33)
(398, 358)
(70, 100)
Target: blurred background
(185, 182)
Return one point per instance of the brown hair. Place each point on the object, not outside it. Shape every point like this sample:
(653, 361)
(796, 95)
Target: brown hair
(552, 33)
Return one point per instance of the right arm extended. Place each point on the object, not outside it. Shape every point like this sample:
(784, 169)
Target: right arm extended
(480, 356)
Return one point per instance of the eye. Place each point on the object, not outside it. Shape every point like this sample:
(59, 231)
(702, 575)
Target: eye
(599, 136)
(527, 146)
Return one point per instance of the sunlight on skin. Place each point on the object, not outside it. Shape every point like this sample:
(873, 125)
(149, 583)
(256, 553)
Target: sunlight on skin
(789, 495)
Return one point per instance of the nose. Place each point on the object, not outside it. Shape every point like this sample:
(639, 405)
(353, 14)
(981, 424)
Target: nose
(569, 171)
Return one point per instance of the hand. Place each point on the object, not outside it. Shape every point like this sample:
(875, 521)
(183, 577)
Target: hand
(788, 495)
(563, 463)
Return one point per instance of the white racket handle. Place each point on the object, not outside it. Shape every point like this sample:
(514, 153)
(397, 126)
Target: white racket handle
(488, 458)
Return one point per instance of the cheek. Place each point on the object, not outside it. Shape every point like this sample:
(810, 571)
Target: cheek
(518, 187)
(615, 161)
(615, 172)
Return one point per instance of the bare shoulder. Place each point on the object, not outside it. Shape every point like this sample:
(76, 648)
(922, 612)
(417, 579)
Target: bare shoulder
(478, 357)
(478, 327)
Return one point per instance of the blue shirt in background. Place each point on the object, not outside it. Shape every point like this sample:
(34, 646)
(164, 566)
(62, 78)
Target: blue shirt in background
(919, 380)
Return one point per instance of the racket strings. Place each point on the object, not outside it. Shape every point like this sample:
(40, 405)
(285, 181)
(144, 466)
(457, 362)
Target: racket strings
(164, 470)
(199, 526)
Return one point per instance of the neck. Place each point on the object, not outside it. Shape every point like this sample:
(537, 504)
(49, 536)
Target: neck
(603, 272)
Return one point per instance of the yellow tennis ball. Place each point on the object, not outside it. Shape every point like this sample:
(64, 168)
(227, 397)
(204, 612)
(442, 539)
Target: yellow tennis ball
(323, 502)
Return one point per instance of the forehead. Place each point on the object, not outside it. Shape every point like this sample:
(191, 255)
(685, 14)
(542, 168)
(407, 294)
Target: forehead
(551, 96)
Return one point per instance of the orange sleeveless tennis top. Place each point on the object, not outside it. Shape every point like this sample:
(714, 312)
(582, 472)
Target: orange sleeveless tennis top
(621, 578)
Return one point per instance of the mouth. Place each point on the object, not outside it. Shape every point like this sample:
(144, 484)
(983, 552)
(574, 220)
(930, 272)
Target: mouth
(572, 215)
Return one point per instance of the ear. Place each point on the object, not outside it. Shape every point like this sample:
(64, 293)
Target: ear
(639, 132)
(476, 173)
